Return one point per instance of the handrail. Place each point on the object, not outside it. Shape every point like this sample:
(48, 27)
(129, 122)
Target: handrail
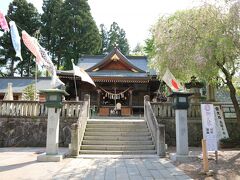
(78, 129)
(157, 130)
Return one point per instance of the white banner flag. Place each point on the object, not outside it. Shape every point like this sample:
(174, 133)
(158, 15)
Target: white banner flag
(81, 73)
(209, 127)
(171, 81)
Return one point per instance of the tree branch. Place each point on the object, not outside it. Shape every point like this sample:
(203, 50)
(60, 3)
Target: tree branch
(223, 80)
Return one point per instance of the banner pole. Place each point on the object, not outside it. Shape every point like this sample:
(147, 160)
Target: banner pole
(216, 155)
(75, 87)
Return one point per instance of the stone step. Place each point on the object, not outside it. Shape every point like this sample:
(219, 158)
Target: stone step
(117, 147)
(118, 152)
(123, 129)
(117, 133)
(125, 122)
(108, 125)
(118, 138)
(106, 142)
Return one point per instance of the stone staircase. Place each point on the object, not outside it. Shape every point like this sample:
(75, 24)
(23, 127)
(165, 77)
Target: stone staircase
(117, 136)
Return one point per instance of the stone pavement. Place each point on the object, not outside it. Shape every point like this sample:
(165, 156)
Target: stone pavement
(20, 163)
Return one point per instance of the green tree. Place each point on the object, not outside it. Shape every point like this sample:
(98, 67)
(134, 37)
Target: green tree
(138, 50)
(117, 37)
(80, 33)
(29, 92)
(51, 29)
(104, 36)
(149, 48)
(203, 41)
(26, 16)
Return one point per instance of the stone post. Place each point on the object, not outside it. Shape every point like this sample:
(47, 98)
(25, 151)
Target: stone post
(161, 140)
(181, 132)
(75, 140)
(54, 105)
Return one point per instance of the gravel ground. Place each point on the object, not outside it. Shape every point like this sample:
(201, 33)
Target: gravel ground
(227, 167)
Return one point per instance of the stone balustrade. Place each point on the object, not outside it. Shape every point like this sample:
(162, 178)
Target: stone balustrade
(37, 109)
(165, 110)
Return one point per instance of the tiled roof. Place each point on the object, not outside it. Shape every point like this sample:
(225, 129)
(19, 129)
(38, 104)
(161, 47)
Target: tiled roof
(87, 62)
(20, 83)
(140, 62)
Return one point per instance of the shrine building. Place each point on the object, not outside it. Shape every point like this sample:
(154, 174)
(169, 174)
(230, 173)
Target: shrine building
(118, 78)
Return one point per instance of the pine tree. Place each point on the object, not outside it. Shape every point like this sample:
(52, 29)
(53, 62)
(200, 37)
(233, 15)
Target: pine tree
(117, 36)
(80, 33)
(27, 18)
(51, 29)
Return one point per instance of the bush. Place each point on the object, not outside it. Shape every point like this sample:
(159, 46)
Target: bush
(230, 143)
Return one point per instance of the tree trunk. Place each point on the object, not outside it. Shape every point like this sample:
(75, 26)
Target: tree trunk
(232, 89)
(12, 68)
(59, 59)
(234, 100)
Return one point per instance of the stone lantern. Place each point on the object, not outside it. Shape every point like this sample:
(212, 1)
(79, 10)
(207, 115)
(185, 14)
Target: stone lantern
(194, 87)
(180, 104)
(54, 105)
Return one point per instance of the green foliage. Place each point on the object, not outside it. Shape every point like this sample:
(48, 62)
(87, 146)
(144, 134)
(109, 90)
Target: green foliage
(203, 41)
(116, 36)
(195, 41)
(51, 29)
(29, 93)
(80, 33)
(233, 142)
(104, 36)
(26, 16)
(138, 50)
(149, 47)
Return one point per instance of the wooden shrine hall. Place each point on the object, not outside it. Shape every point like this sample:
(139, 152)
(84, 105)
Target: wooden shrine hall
(118, 78)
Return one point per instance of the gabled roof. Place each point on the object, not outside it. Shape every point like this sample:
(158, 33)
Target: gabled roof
(115, 56)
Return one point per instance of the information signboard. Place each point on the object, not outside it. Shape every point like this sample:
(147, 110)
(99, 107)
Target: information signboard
(209, 127)
(222, 132)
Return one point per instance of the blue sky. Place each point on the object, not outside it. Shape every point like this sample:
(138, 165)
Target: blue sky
(135, 16)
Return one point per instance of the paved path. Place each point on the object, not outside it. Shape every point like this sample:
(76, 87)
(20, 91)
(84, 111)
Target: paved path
(20, 163)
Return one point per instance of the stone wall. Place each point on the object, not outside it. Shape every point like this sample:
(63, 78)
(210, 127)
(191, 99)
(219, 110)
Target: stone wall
(31, 132)
(194, 130)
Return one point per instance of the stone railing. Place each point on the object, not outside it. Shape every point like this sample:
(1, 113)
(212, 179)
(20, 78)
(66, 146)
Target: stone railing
(78, 129)
(37, 109)
(165, 110)
(157, 130)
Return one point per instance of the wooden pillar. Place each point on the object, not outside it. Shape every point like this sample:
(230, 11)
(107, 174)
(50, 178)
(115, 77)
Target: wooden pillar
(130, 98)
(98, 97)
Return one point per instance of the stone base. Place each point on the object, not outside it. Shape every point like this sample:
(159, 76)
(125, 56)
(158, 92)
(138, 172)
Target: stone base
(49, 158)
(183, 158)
